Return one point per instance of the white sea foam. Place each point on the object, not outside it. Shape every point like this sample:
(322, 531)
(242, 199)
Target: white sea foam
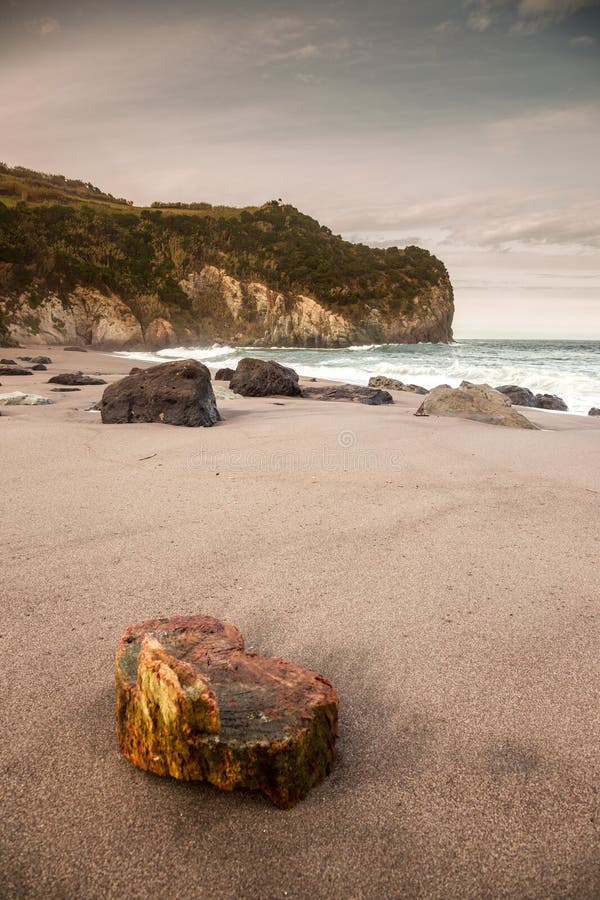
(570, 369)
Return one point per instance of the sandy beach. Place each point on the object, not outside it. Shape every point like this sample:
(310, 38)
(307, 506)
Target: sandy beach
(442, 573)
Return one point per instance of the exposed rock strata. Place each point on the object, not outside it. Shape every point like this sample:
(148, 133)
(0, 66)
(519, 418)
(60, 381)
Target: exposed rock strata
(245, 313)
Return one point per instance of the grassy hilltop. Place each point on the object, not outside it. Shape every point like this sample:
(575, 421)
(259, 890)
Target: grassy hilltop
(57, 234)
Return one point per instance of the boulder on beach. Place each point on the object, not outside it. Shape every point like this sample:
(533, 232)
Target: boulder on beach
(14, 370)
(550, 401)
(392, 384)
(71, 378)
(18, 398)
(264, 378)
(175, 393)
(224, 374)
(191, 703)
(479, 402)
(351, 393)
(594, 411)
(518, 396)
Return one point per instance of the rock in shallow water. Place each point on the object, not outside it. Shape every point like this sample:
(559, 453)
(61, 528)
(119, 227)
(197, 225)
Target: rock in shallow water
(479, 402)
(175, 393)
(594, 411)
(550, 401)
(193, 704)
(522, 396)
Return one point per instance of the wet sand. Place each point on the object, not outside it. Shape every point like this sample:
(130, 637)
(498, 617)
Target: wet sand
(442, 573)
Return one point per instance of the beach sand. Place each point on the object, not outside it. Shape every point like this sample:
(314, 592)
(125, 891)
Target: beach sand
(443, 574)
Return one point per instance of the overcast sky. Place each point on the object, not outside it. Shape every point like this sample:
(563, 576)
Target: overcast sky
(469, 127)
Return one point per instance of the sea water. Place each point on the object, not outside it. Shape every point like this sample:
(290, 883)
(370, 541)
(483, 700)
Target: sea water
(570, 369)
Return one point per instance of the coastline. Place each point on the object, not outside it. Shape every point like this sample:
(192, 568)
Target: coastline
(440, 572)
(568, 369)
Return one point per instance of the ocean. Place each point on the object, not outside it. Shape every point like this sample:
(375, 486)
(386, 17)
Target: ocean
(570, 369)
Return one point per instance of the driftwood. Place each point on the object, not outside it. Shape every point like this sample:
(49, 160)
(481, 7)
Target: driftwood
(191, 703)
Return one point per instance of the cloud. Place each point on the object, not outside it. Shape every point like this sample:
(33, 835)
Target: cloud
(557, 120)
(479, 21)
(583, 40)
(555, 9)
(447, 27)
(43, 26)
(528, 15)
(490, 221)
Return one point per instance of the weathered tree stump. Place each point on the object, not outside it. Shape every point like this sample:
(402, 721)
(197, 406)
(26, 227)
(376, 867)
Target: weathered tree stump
(191, 703)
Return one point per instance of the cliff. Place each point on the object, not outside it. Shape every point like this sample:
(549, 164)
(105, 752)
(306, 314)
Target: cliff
(84, 267)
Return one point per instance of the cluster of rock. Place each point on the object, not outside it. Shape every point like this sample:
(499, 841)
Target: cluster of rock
(522, 396)
(181, 392)
(193, 704)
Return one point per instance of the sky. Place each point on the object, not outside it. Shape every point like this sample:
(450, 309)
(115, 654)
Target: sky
(470, 127)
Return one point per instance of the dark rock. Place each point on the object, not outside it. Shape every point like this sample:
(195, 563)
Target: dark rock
(550, 401)
(8, 362)
(349, 392)
(14, 370)
(392, 384)
(75, 378)
(191, 703)
(76, 349)
(224, 374)
(65, 390)
(594, 411)
(264, 378)
(473, 401)
(43, 360)
(39, 367)
(176, 393)
(518, 396)
(522, 396)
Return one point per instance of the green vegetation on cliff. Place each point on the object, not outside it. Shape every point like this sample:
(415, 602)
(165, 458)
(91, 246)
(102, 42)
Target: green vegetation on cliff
(61, 234)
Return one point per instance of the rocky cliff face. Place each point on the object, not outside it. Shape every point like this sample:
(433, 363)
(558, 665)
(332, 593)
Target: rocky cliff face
(232, 311)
